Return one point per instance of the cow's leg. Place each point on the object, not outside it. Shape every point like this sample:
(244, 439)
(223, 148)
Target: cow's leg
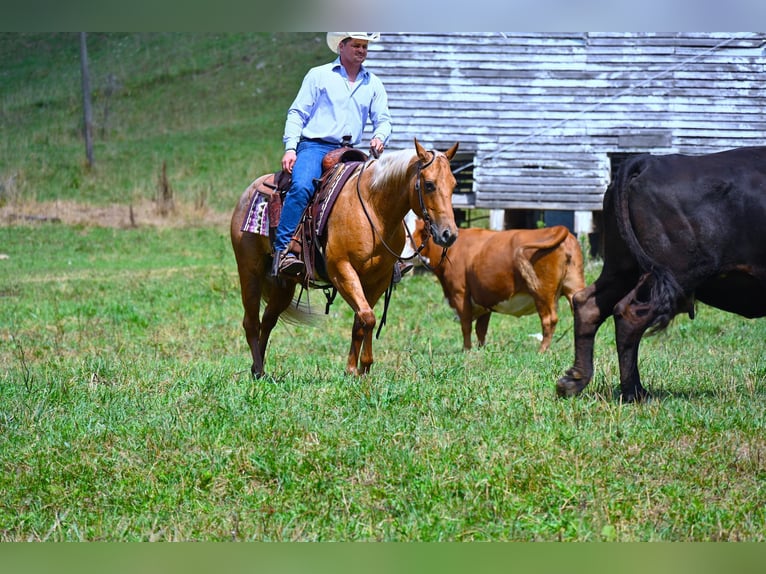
(633, 315)
(482, 324)
(549, 318)
(465, 326)
(592, 306)
(628, 336)
(461, 302)
(587, 320)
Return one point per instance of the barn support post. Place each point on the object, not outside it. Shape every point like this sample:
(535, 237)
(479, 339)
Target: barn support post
(497, 219)
(583, 223)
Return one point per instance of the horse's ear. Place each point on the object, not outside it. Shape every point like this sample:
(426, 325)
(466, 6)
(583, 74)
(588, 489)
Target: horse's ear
(421, 151)
(450, 153)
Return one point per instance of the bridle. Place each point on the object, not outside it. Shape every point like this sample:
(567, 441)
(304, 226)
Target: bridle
(424, 213)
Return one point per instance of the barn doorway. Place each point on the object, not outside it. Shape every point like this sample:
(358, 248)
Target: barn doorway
(535, 218)
(463, 197)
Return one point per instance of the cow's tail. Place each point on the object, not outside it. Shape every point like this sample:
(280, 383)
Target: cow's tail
(524, 263)
(659, 287)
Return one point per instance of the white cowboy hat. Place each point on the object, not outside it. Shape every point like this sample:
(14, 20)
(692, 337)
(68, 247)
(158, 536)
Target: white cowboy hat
(335, 38)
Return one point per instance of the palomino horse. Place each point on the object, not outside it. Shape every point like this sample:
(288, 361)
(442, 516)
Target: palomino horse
(364, 239)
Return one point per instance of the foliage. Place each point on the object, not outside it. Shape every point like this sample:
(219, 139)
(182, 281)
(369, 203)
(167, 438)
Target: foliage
(127, 412)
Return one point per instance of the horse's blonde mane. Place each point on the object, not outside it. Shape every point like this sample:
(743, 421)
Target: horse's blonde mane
(391, 165)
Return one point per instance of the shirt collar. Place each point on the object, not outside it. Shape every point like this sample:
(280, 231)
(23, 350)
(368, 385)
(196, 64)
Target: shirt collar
(336, 66)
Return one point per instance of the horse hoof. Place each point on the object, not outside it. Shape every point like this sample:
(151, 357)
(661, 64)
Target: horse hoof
(256, 374)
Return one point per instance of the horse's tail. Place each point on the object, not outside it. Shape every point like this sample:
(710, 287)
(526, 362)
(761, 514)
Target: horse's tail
(664, 293)
(301, 311)
(524, 263)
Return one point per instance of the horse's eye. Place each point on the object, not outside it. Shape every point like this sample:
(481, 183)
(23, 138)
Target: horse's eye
(430, 187)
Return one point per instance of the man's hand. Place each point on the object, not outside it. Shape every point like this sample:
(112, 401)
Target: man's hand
(288, 160)
(376, 147)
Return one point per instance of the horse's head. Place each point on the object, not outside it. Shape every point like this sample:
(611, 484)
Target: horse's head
(433, 189)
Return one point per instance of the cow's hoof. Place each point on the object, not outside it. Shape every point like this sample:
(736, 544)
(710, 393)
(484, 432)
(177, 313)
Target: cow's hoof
(637, 395)
(568, 387)
(571, 384)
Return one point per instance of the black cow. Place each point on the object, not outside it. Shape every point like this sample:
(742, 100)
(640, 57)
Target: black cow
(677, 229)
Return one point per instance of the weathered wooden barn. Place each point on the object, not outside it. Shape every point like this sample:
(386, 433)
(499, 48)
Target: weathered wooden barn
(543, 118)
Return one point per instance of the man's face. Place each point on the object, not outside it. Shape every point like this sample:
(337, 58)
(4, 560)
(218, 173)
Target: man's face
(353, 51)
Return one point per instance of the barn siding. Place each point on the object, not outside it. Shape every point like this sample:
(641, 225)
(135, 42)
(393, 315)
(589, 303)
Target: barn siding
(540, 113)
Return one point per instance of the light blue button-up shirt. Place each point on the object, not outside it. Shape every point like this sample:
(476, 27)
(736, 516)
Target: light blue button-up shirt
(327, 107)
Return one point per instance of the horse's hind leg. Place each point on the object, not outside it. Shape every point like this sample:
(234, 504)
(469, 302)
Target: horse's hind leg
(253, 264)
(280, 298)
(251, 301)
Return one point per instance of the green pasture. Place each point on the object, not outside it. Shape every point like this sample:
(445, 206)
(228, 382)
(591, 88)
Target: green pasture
(127, 412)
(211, 107)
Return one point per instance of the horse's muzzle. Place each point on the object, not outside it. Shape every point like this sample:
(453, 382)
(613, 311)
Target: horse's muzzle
(443, 237)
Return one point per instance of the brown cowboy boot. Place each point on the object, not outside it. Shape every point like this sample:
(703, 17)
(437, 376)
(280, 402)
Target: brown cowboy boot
(400, 269)
(289, 265)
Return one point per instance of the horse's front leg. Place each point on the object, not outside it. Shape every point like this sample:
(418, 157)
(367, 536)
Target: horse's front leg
(366, 359)
(360, 357)
(349, 285)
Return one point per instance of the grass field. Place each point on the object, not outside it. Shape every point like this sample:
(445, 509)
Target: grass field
(127, 413)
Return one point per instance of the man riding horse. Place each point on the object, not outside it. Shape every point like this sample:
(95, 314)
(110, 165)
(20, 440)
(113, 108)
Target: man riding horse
(332, 107)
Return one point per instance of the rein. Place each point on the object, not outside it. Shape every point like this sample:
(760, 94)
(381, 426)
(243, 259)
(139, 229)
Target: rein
(425, 216)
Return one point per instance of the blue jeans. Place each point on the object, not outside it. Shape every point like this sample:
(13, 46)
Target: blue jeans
(307, 168)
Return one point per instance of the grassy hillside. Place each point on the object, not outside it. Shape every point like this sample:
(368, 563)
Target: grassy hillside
(210, 106)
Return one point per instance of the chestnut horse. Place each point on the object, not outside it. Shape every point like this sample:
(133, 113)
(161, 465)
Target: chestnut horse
(365, 236)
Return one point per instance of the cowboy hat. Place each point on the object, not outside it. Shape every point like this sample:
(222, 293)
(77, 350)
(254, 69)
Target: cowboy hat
(335, 38)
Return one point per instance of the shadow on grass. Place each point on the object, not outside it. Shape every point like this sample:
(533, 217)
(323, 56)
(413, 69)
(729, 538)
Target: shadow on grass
(662, 395)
